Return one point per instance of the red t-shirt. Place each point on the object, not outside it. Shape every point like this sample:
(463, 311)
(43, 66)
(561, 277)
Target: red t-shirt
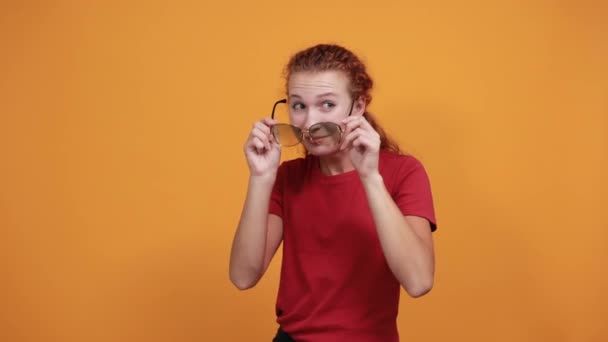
(335, 282)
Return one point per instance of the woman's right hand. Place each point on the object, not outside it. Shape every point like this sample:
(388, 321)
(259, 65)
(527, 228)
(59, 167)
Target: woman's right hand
(263, 153)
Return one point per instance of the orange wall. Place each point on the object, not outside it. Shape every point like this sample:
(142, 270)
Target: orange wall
(122, 175)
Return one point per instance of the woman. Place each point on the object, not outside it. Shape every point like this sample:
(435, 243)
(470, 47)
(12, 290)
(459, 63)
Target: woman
(355, 215)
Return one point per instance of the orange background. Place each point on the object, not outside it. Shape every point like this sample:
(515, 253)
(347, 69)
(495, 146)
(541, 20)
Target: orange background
(122, 175)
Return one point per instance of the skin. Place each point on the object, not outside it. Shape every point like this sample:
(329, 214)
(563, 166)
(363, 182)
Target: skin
(320, 97)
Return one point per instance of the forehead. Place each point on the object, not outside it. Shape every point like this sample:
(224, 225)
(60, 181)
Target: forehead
(312, 83)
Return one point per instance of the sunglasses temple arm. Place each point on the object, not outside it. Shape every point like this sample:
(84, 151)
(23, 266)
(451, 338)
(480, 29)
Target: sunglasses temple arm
(351, 108)
(275, 106)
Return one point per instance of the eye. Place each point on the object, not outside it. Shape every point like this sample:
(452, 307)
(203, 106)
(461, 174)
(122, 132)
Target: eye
(328, 105)
(297, 106)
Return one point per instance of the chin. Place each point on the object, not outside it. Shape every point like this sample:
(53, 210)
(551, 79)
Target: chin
(322, 150)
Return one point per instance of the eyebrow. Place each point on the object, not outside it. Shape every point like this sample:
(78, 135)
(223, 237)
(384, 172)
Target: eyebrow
(320, 95)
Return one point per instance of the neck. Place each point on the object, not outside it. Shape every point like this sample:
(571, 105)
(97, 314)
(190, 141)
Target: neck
(336, 163)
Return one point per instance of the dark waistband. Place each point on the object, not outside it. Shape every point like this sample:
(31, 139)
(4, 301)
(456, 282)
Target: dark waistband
(282, 337)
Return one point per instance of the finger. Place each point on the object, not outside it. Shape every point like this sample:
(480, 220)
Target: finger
(351, 123)
(273, 140)
(348, 128)
(269, 121)
(359, 120)
(364, 141)
(358, 143)
(361, 141)
(266, 126)
(257, 145)
(361, 123)
(365, 124)
(262, 126)
(262, 135)
(353, 119)
(350, 138)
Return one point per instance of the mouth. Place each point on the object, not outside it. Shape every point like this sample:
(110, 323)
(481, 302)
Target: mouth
(321, 142)
(314, 141)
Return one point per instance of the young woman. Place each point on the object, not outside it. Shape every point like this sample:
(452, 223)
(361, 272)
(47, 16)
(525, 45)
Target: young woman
(355, 215)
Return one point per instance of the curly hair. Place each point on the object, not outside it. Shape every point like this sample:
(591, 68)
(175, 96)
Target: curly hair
(332, 57)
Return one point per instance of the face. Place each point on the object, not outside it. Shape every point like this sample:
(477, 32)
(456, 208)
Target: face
(319, 97)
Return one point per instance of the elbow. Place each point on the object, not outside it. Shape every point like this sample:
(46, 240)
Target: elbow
(242, 281)
(419, 291)
(419, 288)
(242, 284)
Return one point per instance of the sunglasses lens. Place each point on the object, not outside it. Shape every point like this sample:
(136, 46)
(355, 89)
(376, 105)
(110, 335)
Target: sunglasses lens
(286, 135)
(325, 133)
(324, 130)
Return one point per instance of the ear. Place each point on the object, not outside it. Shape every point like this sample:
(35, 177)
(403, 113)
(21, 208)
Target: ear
(359, 106)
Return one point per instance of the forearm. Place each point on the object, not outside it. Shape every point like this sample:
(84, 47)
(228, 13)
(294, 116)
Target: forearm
(249, 245)
(408, 256)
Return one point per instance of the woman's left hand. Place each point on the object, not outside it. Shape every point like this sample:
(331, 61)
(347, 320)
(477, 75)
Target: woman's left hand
(363, 145)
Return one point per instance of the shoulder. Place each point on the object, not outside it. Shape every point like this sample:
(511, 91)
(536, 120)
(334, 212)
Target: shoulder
(392, 162)
(402, 171)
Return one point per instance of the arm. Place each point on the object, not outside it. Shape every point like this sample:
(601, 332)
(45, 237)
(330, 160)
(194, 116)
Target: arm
(257, 237)
(258, 234)
(406, 240)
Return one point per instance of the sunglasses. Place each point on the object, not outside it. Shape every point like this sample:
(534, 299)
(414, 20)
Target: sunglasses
(290, 135)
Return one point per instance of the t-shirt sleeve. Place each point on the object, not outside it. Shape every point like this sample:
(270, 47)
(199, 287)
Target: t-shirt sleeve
(412, 192)
(276, 196)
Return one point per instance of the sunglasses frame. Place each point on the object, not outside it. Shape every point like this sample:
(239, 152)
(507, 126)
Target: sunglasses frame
(302, 132)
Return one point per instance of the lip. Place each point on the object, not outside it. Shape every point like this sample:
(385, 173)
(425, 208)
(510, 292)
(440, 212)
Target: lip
(315, 142)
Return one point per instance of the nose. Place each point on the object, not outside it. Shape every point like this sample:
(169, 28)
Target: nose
(311, 119)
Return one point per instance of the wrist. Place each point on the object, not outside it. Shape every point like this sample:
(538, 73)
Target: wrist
(374, 178)
(263, 179)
